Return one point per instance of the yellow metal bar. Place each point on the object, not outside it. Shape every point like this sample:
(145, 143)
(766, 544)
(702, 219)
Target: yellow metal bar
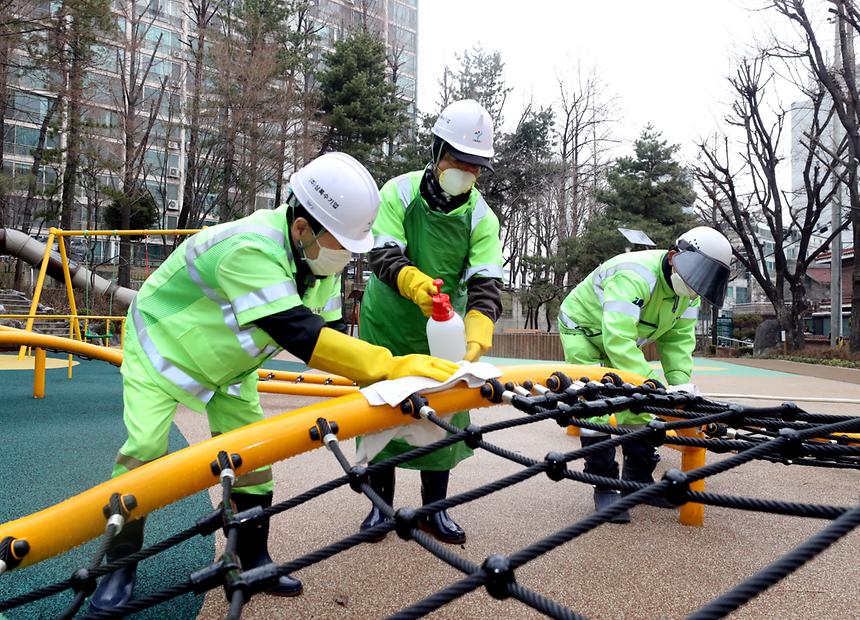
(305, 389)
(122, 333)
(70, 293)
(69, 370)
(125, 233)
(51, 317)
(74, 521)
(29, 339)
(299, 377)
(37, 293)
(39, 374)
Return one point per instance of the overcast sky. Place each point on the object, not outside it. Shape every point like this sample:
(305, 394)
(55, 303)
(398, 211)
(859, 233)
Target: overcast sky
(666, 61)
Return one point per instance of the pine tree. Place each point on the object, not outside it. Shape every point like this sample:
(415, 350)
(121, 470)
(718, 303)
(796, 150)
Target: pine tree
(359, 102)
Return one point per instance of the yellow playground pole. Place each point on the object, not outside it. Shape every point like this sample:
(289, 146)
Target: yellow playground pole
(39, 374)
(37, 293)
(70, 293)
(74, 521)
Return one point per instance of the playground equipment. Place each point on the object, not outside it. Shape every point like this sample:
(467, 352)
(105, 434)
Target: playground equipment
(781, 434)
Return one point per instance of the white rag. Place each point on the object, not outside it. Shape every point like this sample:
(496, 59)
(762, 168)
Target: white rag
(394, 391)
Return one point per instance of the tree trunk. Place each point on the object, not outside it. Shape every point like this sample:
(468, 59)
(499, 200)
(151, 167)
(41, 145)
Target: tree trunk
(73, 133)
(189, 202)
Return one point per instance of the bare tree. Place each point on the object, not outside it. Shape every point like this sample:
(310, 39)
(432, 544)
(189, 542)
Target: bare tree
(840, 82)
(741, 185)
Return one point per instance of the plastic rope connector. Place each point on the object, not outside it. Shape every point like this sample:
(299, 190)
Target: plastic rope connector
(679, 491)
(82, 581)
(12, 552)
(119, 505)
(474, 436)
(357, 477)
(324, 431)
(792, 447)
(492, 391)
(558, 382)
(413, 405)
(657, 433)
(612, 378)
(499, 576)
(405, 520)
(557, 466)
(224, 462)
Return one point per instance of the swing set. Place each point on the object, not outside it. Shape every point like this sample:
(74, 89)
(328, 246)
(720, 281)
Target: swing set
(105, 334)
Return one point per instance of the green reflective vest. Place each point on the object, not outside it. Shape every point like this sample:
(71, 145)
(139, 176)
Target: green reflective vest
(626, 303)
(191, 324)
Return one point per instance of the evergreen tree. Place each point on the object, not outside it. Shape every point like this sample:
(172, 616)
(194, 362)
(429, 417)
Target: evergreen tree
(650, 191)
(359, 102)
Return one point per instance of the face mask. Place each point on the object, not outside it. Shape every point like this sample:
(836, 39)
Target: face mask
(454, 181)
(681, 288)
(328, 262)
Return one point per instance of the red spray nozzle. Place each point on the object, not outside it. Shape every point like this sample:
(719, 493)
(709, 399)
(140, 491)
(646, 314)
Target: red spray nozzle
(442, 309)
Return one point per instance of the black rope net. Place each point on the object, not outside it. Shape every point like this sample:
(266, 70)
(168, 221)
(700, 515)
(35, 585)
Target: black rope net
(784, 434)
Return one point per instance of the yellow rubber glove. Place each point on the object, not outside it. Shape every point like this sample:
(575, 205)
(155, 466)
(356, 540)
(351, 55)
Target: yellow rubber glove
(367, 363)
(479, 335)
(416, 285)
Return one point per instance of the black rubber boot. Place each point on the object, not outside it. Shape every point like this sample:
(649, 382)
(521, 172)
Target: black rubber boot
(602, 463)
(382, 482)
(440, 525)
(253, 544)
(117, 588)
(640, 460)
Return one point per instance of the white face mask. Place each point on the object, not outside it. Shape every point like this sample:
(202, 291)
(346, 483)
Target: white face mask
(454, 181)
(681, 288)
(328, 262)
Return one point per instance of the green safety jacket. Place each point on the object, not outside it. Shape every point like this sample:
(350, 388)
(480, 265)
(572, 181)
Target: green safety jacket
(192, 320)
(626, 303)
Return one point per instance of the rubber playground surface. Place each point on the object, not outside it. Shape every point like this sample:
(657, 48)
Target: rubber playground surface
(651, 568)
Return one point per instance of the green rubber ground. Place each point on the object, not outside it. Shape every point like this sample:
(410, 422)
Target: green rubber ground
(58, 446)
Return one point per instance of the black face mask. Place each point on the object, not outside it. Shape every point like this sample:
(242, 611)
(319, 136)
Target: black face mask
(705, 275)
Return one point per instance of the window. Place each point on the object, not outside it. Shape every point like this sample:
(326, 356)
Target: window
(742, 295)
(399, 37)
(19, 140)
(402, 15)
(27, 107)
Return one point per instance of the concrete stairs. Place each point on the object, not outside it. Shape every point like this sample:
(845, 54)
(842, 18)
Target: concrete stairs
(15, 302)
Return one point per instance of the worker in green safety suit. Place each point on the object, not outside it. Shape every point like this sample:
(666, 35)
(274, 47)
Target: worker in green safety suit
(627, 302)
(434, 223)
(229, 298)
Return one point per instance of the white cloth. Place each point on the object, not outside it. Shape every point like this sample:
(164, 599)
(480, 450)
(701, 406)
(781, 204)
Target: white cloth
(393, 392)
(685, 387)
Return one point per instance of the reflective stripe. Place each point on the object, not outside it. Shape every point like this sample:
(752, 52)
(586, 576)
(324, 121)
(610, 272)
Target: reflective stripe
(201, 245)
(335, 303)
(641, 342)
(640, 270)
(129, 462)
(380, 241)
(264, 296)
(623, 307)
(404, 188)
(254, 478)
(480, 210)
(235, 390)
(164, 367)
(196, 249)
(566, 321)
(690, 313)
(487, 271)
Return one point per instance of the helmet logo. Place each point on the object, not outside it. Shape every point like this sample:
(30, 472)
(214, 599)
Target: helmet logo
(318, 188)
(476, 137)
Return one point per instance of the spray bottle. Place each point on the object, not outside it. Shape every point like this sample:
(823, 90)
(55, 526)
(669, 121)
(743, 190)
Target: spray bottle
(446, 333)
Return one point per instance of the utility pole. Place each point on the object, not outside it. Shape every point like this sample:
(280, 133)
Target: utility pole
(836, 210)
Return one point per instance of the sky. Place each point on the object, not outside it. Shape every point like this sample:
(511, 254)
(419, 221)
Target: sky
(665, 61)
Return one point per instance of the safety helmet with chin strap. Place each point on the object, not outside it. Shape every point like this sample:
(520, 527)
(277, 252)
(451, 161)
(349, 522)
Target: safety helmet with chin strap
(467, 130)
(340, 194)
(703, 261)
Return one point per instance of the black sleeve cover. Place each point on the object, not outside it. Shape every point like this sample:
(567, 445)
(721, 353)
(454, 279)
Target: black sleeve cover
(485, 296)
(296, 330)
(386, 263)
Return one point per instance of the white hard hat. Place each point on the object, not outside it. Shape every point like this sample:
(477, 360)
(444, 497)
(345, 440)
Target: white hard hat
(703, 262)
(338, 192)
(467, 127)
